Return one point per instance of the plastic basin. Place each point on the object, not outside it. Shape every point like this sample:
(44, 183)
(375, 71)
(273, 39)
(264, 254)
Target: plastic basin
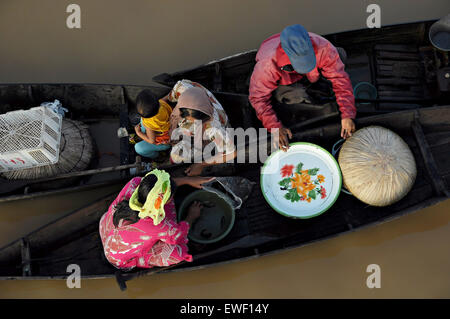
(216, 220)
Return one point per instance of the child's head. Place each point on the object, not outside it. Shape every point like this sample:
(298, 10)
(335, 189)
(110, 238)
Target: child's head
(147, 104)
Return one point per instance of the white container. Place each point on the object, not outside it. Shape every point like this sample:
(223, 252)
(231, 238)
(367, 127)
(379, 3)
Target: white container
(29, 138)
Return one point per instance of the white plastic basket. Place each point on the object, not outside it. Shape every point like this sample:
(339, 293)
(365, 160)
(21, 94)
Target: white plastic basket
(29, 138)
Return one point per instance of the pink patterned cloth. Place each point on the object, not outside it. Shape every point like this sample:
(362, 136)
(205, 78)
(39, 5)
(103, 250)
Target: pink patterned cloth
(143, 244)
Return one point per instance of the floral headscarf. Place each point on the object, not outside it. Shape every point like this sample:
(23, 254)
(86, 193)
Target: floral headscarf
(156, 198)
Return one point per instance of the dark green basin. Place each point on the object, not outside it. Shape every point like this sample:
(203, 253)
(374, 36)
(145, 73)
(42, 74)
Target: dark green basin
(216, 221)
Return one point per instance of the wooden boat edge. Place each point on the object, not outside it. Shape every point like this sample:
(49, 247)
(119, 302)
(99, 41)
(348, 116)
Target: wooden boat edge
(409, 210)
(174, 74)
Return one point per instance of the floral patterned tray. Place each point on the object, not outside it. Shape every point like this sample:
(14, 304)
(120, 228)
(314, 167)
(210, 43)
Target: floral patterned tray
(303, 182)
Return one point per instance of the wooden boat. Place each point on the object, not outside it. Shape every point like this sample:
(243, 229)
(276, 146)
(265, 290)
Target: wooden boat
(398, 60)
(258, 230)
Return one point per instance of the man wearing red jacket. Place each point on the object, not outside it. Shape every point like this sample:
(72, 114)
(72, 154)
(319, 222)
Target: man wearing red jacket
(286, 58)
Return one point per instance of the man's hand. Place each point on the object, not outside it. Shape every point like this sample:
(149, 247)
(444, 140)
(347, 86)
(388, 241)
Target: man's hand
(348, 128)
(282, 140)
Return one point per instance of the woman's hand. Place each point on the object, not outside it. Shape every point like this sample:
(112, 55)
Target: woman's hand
(194, 212)
(198, 182)
(194, 170)
(348, 127)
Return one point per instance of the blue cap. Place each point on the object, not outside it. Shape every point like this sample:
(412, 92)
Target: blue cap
(296, 43)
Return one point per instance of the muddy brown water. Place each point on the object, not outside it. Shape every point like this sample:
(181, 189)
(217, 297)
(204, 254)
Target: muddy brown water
(128, 43)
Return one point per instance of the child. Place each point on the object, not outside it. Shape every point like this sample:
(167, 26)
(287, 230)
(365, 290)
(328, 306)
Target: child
(154, 126)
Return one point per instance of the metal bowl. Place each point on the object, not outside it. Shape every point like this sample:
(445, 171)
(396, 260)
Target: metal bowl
(439, 34)
(365, 90)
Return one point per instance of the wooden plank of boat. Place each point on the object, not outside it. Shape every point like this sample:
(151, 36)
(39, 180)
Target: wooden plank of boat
(432, 170)
(12, 185)
(258, 230)
(391, 58)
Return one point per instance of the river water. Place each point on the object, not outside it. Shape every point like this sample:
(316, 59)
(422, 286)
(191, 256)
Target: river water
(128, 43)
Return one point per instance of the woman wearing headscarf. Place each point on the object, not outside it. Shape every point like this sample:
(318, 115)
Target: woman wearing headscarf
(199, 116)
(140, 228)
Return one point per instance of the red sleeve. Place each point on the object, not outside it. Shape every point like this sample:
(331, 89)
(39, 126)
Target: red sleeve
(263, 82)
(332, 69)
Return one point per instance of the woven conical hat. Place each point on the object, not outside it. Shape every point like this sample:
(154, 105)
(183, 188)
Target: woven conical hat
(377, 166)
(76, 153)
